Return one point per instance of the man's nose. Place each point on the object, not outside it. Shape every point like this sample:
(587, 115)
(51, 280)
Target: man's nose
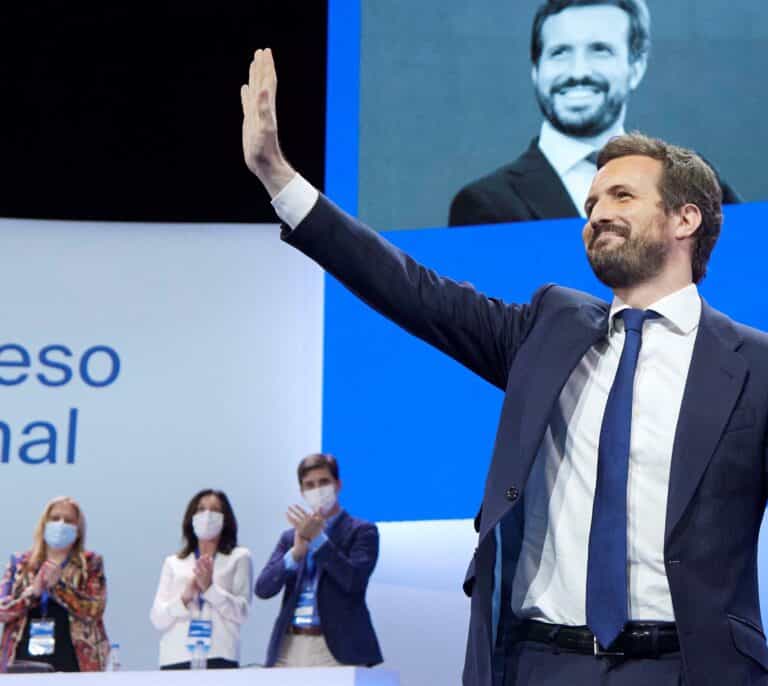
(600, 215)
(580, 66)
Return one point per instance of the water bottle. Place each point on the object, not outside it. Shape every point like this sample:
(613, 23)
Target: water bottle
(198, 655)
(113, 660)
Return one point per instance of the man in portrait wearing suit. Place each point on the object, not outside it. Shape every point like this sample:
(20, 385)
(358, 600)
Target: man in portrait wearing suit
(322, 564)
(587, 57)
(618, 531)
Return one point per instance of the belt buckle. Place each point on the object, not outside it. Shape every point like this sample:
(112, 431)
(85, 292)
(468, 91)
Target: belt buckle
(597, 651)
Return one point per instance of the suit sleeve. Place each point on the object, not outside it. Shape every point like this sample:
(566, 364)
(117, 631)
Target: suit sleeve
(87, 598)
(13, 606)
(351, 570)
(168, 607)
(471, 206)
(233, 604)
(274, 575)
(481, 333)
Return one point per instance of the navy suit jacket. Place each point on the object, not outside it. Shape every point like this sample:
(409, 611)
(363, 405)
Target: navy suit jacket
(344, 565)
(529, 188)
(717, 485)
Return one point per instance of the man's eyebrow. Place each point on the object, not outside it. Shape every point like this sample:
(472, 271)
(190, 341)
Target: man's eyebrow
(620, 187)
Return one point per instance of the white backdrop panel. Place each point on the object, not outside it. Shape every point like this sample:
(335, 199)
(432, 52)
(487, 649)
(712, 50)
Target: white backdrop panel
(218, 330)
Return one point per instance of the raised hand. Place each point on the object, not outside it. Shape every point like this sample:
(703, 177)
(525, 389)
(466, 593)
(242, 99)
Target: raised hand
(52, 573)
(306, 525)
(261, 147)
(190, 591)
(38, 584)
(204, 573)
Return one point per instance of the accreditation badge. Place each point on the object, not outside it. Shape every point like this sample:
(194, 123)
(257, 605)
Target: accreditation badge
(200, 631)
(41, 638)
(305, 608)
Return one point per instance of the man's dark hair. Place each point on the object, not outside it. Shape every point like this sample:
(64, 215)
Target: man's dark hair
(228, 538)
(318, 461)
(685, 178)
(639, 23)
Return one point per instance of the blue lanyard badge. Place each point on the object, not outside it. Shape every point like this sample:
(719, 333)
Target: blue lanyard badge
(45, 595)
(41, 637)
(44, 602)
(199, 635)
(200, 601)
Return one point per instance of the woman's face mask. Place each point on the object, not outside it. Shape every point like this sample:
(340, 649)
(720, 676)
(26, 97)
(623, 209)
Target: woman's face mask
(59, 534)
(207, 524)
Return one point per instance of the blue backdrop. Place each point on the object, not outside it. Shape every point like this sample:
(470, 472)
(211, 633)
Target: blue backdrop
(412, 428)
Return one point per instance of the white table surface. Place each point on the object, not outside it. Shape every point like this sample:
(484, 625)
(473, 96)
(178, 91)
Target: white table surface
(335, 676)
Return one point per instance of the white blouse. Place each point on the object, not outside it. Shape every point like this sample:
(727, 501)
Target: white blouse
(226, 604)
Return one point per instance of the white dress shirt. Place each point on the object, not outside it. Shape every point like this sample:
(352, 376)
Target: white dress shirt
(226, 604)
(567, 155)
(551, 578)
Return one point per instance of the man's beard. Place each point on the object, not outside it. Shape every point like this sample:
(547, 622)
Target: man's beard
(634, 261)
(591, 124)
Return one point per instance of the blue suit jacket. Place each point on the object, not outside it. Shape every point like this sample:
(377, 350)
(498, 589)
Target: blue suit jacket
(344, 565)
(717, 487)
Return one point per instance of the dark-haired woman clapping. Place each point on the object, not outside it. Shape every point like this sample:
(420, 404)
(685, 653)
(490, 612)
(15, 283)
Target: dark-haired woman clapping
(205, 589)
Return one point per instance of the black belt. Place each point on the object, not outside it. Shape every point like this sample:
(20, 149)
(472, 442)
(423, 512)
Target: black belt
(638, 640)
(305, 630)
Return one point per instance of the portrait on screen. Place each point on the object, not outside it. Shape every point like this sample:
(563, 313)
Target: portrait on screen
(494, 114)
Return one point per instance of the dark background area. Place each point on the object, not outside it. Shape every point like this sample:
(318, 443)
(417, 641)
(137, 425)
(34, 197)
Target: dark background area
(132, 112)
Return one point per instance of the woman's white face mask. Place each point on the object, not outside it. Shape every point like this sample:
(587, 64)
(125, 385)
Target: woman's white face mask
(207, 524)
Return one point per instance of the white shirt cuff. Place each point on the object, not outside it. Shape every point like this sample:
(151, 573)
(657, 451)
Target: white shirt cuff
(317, 542)
(289, 563)
(294, 202)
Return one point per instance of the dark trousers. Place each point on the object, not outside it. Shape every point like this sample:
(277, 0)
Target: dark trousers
(537, 664)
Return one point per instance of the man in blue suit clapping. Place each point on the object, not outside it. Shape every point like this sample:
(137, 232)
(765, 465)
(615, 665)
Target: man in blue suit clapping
(322, 564)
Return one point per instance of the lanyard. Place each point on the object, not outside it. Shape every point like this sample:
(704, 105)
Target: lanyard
(45, 595)
(200, 601)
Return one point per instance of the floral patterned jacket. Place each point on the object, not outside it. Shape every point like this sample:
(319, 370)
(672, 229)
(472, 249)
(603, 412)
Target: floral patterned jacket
(82, 590)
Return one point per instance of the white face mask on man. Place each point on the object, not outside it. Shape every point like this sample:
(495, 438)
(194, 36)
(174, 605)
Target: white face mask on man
(322, 498)
(207, 524)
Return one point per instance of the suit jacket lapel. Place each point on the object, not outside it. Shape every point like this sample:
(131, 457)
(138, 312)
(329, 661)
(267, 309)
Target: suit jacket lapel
(562, 351)
(540, 186)
(715, 379)
(558, 352)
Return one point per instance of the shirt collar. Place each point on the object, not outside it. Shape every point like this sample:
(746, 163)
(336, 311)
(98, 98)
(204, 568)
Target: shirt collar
(332, 520)
(564, 152)
(681, 309)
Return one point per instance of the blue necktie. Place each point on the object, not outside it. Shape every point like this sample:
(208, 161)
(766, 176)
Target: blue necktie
(607, 605)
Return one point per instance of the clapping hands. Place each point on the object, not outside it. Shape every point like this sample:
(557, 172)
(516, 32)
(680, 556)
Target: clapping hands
(306, 526)
(201, 580)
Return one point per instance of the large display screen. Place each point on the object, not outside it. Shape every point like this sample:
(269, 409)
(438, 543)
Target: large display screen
(448, 92)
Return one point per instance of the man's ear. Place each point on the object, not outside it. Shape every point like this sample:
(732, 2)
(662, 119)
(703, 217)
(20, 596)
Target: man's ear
(637, 69)
(688, 221)
(534, 74)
